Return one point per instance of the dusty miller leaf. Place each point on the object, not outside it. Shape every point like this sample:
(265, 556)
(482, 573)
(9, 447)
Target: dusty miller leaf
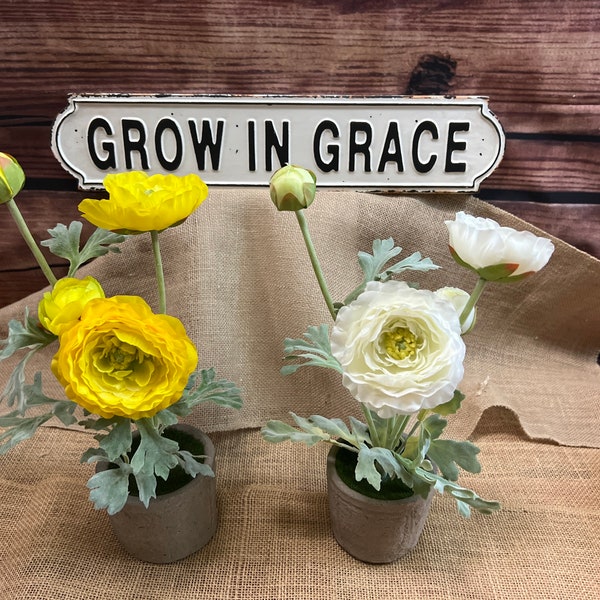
(28, 334)
(465, 498)
(19, 429)
(369, 458)
(448, 455)
(204, 387)
(315, 350)
(118, 440)
(450, 407)
(434, 426)
(374, 269)
(192, 466)
(155, 454)
(65, 242)
(278, 431)
(109, 489)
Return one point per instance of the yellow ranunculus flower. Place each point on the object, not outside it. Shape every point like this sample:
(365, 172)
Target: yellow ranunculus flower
(121, 359)
(60, 308)
(139, 203)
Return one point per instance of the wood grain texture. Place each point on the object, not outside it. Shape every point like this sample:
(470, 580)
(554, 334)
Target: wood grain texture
(536, 60)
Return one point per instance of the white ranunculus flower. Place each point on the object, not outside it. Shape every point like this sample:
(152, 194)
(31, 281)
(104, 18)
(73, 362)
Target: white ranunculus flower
(400, 349)
(459, 298)
(496, 253)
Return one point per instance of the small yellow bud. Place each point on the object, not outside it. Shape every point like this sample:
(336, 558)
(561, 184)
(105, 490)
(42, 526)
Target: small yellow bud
(12, 177)
(61, 308)
(293, 188)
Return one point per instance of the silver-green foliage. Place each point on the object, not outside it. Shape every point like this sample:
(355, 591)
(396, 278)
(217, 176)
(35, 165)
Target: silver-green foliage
(65, 243)
(374, 265)
(156, 455)
(412, 460)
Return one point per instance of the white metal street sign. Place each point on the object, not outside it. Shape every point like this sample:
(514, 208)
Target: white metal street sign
(402, 143)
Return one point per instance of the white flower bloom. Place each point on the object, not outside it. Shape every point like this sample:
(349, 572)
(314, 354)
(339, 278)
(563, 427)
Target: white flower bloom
(400, 349)
(496, 253)
(458, 298)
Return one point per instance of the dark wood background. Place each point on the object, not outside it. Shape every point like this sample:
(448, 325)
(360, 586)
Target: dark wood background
(538, 62)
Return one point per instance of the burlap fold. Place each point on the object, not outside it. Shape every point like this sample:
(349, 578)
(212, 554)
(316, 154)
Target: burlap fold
(240, 279)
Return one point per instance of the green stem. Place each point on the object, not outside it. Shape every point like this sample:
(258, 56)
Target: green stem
(389, 427)
(160, 276)
(475, 294)
(399, 426)
(315, 262)
(37, 253)
(413, 428)
(371, 424)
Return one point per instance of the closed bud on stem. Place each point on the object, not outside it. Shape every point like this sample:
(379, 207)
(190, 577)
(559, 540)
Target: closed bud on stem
(293, 188)
(12, 177)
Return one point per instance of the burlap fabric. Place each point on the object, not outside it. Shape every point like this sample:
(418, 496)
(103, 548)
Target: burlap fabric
(239, 278)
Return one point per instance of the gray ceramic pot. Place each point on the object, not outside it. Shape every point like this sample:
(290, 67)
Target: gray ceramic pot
(372, 530)
(174, 525)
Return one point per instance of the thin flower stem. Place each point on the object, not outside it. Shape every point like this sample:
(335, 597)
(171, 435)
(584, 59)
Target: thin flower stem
(315, 262)
(413, 428)
(475, 294)
(399, 426)
(389, 427)
(160, 276)
(371, 424)
(24, 230)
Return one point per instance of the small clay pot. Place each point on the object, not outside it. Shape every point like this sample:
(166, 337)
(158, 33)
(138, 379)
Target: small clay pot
(175, 524)
(370, 529)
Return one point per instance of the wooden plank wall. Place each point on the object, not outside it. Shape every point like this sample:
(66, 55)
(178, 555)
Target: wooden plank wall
(538, 61)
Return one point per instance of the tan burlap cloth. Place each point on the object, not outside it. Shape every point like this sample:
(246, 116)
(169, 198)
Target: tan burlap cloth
(239, 278)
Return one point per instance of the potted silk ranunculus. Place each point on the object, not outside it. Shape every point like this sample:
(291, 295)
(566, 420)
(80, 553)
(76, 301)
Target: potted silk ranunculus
(400, 352)
(129, 373)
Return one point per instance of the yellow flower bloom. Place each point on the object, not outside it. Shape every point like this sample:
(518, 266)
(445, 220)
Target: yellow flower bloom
(123, 360)
(139, 203)
(60, 308)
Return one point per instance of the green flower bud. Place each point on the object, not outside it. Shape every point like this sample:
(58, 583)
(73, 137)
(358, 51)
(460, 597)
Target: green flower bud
(293, 188)
(12, 177)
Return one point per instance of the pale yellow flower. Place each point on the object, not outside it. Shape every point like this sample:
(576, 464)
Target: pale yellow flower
(120, 359)
(459, 298)
(140, 203)
(293, 188)
(61, 307)
(400, 349)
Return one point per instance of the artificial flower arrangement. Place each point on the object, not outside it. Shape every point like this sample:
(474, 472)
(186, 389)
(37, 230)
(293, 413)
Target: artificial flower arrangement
(125, 366)
(399, 350)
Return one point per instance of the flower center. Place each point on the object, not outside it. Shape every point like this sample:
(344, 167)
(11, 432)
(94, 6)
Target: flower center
(400, 343)
(120, 360)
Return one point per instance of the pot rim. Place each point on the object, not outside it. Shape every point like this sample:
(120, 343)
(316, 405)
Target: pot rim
(209, 452)
(357, 496)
